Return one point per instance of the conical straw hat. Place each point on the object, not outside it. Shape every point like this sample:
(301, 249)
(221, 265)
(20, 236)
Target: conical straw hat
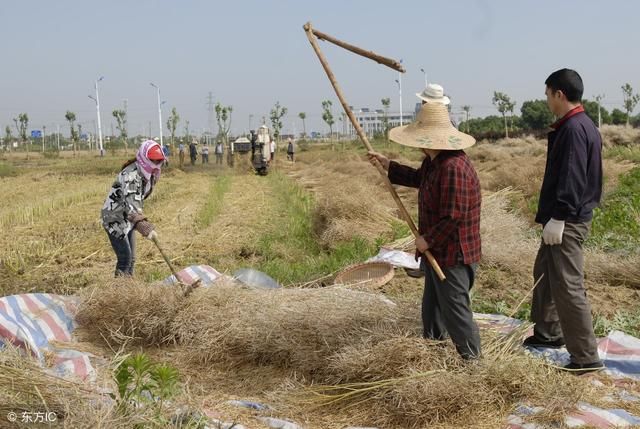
(432, 130)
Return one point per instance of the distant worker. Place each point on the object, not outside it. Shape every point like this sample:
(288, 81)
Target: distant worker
(193, 152)
(273, 149)
(205, 154)
(219, 150)
(181, 150)
(290, 150)
(167, 153)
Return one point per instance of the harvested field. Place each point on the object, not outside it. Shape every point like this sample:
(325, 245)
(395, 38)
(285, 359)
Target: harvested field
(298, 348)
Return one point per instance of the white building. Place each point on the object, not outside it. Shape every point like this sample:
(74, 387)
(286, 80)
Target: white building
(372, 120)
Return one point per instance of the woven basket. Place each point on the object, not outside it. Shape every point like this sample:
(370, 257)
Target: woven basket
(369, 273)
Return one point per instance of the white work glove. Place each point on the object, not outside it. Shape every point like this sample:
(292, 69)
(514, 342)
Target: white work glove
(153, 235)
(552, 232)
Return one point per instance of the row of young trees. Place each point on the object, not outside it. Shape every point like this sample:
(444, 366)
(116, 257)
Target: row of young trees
(535, 115)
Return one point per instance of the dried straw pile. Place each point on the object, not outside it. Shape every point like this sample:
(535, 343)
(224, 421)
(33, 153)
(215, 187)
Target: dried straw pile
(350, 201)
(618, 135)
(289, 328)
(26, 387)
(345, 212)
(405, 382)
(357, 344)
(507, 240)
(129, 311)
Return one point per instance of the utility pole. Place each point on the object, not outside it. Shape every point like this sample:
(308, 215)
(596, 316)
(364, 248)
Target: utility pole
(210, 111)
(124, 125)
(99, 120)
(44, 136)
(598, 99)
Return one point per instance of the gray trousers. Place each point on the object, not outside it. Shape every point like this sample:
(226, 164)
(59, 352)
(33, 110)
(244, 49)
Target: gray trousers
(560, 308)
(446, 308)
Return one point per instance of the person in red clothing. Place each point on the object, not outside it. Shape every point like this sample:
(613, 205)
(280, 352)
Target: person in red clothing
(449, 222)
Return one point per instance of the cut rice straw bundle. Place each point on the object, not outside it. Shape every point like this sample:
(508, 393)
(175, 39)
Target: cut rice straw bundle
(288, 328)
(438, 390)
(129, 312)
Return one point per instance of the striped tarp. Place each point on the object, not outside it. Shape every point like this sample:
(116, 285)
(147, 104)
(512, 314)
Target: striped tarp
(31, 321)
(621, 355)
(206, 274)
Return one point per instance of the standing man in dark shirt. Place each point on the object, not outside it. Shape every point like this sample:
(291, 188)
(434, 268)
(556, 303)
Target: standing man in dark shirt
(449, 222)
(193, 152)
(571, 189)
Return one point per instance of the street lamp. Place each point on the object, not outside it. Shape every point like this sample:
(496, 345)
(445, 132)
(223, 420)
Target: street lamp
(97, 100)
(159, 112)
(399, 82)
(425, 77)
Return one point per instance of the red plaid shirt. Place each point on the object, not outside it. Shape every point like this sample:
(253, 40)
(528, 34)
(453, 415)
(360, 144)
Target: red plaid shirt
(448, 205)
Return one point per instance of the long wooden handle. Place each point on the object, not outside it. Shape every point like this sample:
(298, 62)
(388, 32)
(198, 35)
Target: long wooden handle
(391, 63)
(166, 258)
(403, 211)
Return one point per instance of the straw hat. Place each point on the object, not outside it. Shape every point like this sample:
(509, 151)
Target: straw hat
(433, 93)
(432, 130)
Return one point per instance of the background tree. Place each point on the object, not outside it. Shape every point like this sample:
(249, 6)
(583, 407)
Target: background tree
(536, 114)
(386, 103)
(591, 109)
(618, 117)
(327, 116)
(275, 115)
(172, 124)
(121, 119)
(22, 123)
(303, 116)
(630, 100)
(8, 137)
(223, 116)
(71, 117)
(186, 131)
(467, 111)
(504, 104)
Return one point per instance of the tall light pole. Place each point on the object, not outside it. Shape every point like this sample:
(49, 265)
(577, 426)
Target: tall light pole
(399, 82)
(97, 99)
(598, 99)
(159, 112)
(425, 77)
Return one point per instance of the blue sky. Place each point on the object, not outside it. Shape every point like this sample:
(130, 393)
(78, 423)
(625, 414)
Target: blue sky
(252, 53)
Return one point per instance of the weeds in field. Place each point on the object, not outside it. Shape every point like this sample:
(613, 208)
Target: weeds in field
(616, 224)
(7, 170)
(144, 384)
(291, 252)
(213, 203)
(622, 153)
(627, 322)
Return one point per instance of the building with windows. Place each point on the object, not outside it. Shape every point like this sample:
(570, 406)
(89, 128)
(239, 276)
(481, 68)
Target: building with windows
(372, 120)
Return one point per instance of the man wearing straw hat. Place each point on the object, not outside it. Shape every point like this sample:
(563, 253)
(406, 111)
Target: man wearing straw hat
(449, 218)
(571, 189)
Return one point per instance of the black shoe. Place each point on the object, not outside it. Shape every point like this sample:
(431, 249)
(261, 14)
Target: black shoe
(583, 368)
(415, 273)
(534, 341)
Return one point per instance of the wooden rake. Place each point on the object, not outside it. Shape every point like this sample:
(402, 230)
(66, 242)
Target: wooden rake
(187, 288)
(313, 36)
